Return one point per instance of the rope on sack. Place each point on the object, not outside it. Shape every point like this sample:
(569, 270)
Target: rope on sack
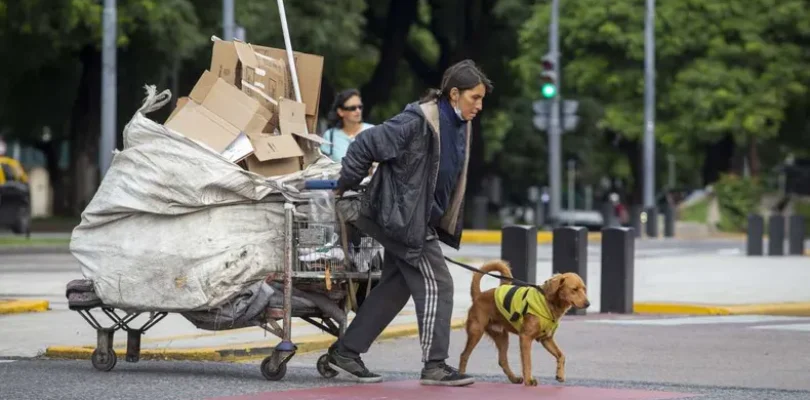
(153, 100)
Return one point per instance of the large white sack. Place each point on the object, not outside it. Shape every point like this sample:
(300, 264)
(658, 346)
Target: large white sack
(174, 226)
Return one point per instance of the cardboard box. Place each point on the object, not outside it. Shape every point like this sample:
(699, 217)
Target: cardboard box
(290, 151)
(220, 116)
(235, 61)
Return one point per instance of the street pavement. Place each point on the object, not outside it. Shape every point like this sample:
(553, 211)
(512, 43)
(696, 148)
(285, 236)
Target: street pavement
(608, 357)
(715, 276)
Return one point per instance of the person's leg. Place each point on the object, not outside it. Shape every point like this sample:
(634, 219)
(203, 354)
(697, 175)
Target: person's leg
(432, 288)
(383, 304)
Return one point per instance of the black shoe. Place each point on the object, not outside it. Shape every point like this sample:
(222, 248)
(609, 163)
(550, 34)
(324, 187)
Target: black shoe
(352, 366)
(444, 375)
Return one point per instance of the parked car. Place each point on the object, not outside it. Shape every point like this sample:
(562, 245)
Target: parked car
(15, 197)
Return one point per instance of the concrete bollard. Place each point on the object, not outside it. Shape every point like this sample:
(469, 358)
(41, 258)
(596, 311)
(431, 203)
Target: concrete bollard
(652, 222)
(796, 238)
(776, 235)
(519, 249)
(570, 254)
(618, 255)
(754, 232)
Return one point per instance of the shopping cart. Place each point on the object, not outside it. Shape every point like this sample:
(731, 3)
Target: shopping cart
(321, 255)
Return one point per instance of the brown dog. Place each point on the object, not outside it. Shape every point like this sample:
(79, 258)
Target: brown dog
(533, 315)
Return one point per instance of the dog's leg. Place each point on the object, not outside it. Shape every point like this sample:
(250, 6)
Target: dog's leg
(555, 351)
(526, 360)
(502, 342)
(474, 333)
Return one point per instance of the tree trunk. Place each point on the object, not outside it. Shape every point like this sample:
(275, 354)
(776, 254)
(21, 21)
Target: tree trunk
(718, 159)
(84, 132)
(401, 14)
(753, 158)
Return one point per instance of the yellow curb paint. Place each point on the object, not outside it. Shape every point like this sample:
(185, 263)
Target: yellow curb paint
(474, 236)
(240, 352)
(23, 306)
(798, 309)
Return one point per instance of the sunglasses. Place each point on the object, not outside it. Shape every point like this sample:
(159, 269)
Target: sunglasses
(352, 108)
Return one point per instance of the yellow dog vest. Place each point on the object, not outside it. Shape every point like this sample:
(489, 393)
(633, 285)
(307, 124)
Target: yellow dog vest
(514, 302)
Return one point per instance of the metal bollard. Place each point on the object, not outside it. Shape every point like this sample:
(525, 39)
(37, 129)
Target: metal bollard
(652, 222)
(519, 249)
(796, 238)
(669, 221)
(570, 254)
(776, 235)
(618, 256)
(754, 232)
(635, 219)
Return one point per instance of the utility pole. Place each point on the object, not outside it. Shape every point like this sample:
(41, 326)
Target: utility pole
(554, 133)
(649, 106)
(108, 87)
(228, 24)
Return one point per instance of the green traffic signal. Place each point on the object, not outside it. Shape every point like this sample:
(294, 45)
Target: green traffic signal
(549, 90)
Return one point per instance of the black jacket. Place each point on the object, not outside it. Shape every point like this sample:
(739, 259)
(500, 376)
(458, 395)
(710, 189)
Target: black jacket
(396, 206)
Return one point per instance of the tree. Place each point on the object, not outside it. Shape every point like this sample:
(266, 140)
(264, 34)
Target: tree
(715, 81)
(52, 55)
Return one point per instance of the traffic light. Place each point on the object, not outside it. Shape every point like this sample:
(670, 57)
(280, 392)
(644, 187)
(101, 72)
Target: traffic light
(548, 79)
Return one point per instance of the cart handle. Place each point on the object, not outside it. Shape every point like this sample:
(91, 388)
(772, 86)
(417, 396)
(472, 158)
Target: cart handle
(320, 184)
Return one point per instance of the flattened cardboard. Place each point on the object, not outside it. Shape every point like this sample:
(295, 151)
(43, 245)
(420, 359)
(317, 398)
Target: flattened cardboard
(268, 147)
(272, 168)
(196, 122)
(218, 114)
(291, 120)
(180, 103)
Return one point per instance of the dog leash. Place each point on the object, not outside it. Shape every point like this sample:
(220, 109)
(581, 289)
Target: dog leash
(515, 281)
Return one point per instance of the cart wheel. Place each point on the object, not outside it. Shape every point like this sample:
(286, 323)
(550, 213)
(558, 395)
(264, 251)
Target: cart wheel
(102, 362)
(273, 375)
(324, 368)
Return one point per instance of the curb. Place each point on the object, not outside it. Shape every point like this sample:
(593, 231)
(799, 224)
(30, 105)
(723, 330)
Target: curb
(14, 306)
(473, 236)
(242, 352)
(798, 309)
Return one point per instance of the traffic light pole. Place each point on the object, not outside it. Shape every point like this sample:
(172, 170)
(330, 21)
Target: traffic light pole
(554, 133)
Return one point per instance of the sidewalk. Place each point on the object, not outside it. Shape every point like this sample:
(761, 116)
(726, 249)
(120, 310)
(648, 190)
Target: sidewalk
(705, 284)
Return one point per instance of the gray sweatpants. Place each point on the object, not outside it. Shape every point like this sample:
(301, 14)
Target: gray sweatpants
(431, 286)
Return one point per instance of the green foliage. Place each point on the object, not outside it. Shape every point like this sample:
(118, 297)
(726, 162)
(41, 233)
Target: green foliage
(722, 66)
(737, 198)
(697, 212)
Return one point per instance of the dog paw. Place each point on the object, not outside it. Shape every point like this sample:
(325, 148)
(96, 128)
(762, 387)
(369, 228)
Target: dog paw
(516, 380)
(531, 382)
(560, 378)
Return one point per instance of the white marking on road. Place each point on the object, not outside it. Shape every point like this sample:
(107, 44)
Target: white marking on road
(788, 327)
(698, 320)
(729, 251)
(7, 361)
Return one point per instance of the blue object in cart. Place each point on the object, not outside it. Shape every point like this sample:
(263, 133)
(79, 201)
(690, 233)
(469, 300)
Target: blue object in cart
(320, 184)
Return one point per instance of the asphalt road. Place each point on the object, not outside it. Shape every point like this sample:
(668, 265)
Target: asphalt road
(714, 358)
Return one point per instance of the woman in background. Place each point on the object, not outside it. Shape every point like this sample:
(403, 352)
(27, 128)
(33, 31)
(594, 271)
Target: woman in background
(345, 121)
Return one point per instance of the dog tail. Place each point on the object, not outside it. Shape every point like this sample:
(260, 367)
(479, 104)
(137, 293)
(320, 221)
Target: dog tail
(499, 266)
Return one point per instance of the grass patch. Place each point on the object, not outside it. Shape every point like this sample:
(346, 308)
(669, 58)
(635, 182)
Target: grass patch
(696, 212)
(21, 241)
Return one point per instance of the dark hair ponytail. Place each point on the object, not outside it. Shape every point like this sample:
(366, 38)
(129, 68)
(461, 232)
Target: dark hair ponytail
(463, 75)
(333, 119)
